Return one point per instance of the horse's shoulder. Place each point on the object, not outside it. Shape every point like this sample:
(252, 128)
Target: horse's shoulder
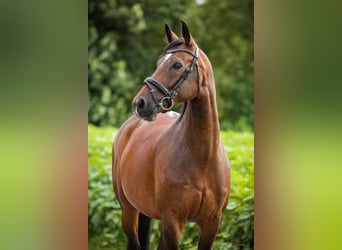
(162, 122)
(141, 129)
(170, 115)
(126, 130)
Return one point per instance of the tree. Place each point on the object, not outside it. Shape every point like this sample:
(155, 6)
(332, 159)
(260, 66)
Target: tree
(227, 38)
(122, 52)
(126, 39)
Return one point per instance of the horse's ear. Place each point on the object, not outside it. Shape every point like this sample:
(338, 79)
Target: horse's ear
(186, 34)
(170, 35)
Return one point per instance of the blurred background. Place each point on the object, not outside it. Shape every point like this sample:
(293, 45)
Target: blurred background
(125, 40)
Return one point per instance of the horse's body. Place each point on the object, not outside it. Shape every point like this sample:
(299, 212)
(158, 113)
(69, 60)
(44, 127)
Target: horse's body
(172, 169)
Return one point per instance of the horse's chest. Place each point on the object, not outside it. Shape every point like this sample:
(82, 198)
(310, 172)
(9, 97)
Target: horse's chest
(182, 189)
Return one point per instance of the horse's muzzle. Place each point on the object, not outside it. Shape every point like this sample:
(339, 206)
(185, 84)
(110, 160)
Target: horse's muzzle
(144, 109)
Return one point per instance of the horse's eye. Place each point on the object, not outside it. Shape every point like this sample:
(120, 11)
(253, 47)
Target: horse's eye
(177, 65)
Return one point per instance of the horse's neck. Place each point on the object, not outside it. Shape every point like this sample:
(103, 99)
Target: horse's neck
(200, 125)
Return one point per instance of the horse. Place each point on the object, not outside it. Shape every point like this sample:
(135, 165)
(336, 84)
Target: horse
(168, 166)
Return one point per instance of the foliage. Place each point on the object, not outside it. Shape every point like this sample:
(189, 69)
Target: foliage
(122, 52)
(228, 42)
(103, 208)
(127, 37)
(236, 230)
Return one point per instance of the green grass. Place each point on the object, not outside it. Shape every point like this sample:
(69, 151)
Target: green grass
(104, 214)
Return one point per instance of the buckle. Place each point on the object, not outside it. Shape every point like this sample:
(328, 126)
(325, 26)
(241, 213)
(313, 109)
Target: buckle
(166, 103)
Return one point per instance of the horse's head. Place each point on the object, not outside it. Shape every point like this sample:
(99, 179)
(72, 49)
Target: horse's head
(176, 79)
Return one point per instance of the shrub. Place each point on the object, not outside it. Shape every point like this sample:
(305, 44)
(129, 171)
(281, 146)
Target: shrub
(104, 216)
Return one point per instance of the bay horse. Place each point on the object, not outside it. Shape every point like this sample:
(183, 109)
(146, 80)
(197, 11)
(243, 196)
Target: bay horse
(168, 166)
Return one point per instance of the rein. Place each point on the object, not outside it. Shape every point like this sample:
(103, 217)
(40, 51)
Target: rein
(166, 103)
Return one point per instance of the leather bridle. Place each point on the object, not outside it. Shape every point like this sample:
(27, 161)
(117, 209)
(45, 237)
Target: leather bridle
(166, 103)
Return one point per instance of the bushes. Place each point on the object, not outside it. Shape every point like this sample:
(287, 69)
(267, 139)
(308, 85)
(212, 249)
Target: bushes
(125, 39)
(104, 216)
(103, 209)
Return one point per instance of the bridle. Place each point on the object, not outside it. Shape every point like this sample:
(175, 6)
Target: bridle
(166, 103)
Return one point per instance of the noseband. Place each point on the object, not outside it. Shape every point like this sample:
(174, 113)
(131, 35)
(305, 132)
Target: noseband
(166, 103)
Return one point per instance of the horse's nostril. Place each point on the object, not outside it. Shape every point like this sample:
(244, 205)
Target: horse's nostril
(141, 103)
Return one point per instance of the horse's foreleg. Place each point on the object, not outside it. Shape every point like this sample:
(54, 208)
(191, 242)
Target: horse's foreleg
(207, 232)
(171, 231)
(130, 226)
